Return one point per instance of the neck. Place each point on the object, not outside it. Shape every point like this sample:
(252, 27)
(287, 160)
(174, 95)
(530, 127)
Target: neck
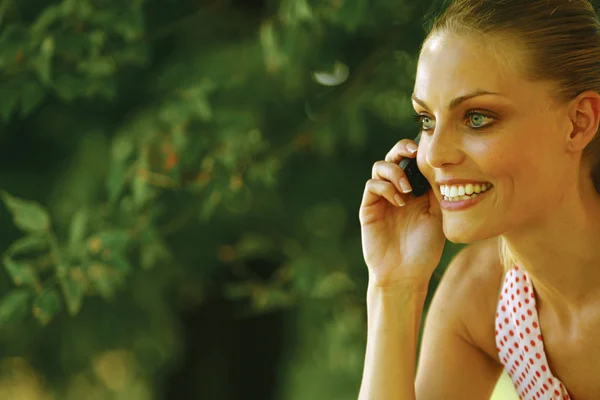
(561, 254)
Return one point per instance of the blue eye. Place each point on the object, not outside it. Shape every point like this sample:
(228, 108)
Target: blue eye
(477, 120)
(425, 123)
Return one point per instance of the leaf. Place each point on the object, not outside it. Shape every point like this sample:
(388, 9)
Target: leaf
(77, 229)
(97, 67)
(43, 62)
(105, 279)
(274, 57)
(119, 262)
(141, 190)
(9, 99)
(196, 102)
(115, 180)
(46, 306)
(27, 215)
(116, 240)
(69, 87)
(73, 285)
(21, 272)
(31, 96)
(14, 306)
(210, 205)
(295, 11)
(46, 18)
(122, 148)
(203, 108)
(28, 244)
(175, 113)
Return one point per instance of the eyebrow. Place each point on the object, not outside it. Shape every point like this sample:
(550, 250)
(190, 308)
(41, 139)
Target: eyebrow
(455, 102)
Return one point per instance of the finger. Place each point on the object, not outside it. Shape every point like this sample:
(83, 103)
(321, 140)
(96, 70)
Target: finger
(391, 172)
(401, 149)
(375, 189)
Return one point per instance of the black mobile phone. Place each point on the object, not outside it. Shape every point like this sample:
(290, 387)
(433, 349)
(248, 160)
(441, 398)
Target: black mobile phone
(420, 185)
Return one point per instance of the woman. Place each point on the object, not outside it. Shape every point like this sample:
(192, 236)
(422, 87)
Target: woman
(507, 99)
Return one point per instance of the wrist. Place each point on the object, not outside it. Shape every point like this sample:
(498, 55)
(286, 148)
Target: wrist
(389, 286)
(395, 305)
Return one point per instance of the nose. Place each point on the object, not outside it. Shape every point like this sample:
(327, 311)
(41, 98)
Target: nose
(443, 149)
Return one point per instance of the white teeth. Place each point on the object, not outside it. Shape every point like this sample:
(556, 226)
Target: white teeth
(461, 190)
(459, 193)
(460, 198)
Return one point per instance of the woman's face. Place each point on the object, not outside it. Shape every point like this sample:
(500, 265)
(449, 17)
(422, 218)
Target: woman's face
(514, 139)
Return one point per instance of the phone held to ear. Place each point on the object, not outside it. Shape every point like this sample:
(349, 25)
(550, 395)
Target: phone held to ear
(417, 181)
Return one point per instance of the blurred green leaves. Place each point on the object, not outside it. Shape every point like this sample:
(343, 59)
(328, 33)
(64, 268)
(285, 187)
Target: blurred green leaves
(46, 305)
(72, 48)
(14, 306)
(73, 284)
(22, 273)
(81, 264)
(202, 140)
(27, 215)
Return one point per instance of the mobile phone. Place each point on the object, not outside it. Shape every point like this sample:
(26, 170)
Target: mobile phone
(420, 185)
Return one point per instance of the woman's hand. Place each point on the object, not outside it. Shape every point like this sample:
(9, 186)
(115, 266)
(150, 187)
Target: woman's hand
(402, 236)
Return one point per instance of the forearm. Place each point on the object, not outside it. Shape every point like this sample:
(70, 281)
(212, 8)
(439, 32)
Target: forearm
(393, 318)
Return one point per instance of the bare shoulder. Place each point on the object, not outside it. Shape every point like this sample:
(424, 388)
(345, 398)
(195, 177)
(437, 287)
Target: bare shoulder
(458, 349)
(477, 274)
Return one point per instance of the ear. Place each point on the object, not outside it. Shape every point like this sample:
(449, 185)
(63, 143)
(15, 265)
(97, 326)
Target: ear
(585, 118)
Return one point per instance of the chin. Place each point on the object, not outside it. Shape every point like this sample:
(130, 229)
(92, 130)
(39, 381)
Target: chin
(461, 232)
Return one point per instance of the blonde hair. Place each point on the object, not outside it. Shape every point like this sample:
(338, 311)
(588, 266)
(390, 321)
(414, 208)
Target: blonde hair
(506, 256)
(561, 40)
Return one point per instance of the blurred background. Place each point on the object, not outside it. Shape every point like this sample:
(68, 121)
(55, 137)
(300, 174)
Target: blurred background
(180, 189)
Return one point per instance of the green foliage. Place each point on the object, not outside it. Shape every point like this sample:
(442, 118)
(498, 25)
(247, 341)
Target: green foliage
(14, 305)
(179, 140)
(27, 215)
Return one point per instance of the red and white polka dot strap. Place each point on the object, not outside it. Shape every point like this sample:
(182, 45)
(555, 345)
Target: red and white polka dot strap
(519, 341)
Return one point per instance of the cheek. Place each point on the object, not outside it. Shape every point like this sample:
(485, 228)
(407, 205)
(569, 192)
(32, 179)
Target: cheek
(510, 170)
(511, 156)
(523, 178)
(530, 164)
(425, 169)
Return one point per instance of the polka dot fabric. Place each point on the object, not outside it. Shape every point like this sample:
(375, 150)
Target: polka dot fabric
(519, 341)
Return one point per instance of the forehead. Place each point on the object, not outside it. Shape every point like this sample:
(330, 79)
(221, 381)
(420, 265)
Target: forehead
(451, 66)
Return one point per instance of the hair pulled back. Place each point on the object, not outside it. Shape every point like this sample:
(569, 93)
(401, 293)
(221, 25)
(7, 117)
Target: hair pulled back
(561, 40)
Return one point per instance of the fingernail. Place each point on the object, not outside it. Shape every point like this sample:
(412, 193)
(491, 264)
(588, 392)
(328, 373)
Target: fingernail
(399, 200)
(405, 185)
(412, 147)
